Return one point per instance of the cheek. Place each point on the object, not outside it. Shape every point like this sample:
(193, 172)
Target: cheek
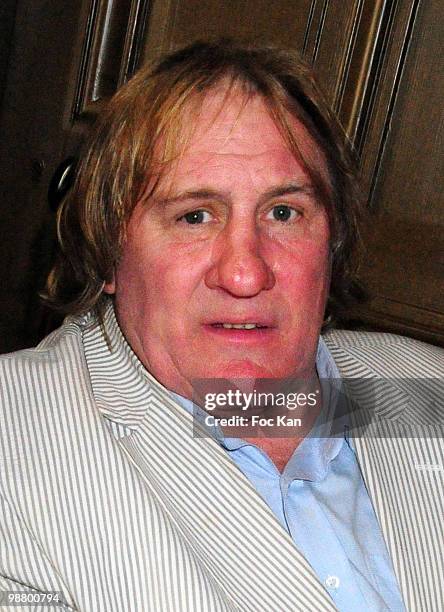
(305, 269)
(158, 281)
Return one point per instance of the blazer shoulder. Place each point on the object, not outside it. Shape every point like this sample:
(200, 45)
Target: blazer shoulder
(52, 348)
(385, 354)
(37, 376)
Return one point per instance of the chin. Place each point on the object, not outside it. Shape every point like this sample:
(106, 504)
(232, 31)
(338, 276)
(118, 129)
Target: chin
(244, 368)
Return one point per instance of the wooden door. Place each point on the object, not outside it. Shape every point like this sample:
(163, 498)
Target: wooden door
(404, 265)
(66, 59)
(379, 62)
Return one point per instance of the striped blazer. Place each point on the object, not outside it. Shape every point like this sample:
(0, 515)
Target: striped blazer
(106, 497)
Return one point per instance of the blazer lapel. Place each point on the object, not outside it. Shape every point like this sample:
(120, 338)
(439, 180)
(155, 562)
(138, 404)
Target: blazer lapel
(404, 478)
(402, 465)
(216, 513)
(219, 514)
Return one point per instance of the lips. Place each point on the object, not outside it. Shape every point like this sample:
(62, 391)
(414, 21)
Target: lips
(246, 326)
(248, 321)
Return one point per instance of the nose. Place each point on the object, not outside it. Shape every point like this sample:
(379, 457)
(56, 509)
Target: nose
(238, 265)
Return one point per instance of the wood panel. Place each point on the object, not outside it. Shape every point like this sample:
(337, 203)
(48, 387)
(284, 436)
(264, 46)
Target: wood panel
(329, 42)
(405, 264)
(31, 146)
(280, 22)
(380, 63)
(7, 17)
(377, 61)
(391, 50)
(174, 23)
(110, 51)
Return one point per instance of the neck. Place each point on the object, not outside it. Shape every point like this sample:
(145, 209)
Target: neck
(279, 450)
(290, 427)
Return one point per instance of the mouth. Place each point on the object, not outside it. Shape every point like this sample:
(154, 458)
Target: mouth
(246, 326)
(247, 332)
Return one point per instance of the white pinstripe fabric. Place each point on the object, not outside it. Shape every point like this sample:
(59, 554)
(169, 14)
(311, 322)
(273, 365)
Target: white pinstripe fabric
(403, 471)
(107, 497)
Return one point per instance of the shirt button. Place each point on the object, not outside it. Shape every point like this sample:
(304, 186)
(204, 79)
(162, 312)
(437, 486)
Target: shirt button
(332, 582)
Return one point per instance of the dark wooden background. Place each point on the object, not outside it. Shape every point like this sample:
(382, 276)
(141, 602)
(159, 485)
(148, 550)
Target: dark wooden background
(379, 62)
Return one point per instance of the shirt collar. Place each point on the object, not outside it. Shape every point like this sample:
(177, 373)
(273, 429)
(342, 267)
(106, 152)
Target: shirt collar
(312, 458)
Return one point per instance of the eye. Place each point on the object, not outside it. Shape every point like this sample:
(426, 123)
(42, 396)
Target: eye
(196, 217)
(283, 213)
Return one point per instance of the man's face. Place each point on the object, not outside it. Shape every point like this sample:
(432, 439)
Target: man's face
(234, 235)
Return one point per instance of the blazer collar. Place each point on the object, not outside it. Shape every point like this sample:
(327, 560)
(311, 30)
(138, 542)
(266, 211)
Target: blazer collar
(122, 387)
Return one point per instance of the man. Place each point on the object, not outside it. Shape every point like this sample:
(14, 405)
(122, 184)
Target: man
(210, 236)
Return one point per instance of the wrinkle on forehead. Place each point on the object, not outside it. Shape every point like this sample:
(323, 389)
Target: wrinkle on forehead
(199, 114)
(228, 104)
(228, 108)
(231, 103)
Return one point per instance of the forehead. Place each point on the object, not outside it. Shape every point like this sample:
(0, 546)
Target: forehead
(226, 136)
(233, 122)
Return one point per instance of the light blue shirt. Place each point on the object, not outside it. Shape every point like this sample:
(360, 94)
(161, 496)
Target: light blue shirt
(321, 500)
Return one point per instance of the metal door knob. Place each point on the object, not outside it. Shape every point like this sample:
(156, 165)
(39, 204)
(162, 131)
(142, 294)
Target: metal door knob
(61, 182)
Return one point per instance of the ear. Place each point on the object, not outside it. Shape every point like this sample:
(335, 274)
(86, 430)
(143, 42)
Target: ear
(110, 286)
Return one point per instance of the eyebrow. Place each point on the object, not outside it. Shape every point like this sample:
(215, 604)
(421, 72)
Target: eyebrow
(287, 189)
(205, 194)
